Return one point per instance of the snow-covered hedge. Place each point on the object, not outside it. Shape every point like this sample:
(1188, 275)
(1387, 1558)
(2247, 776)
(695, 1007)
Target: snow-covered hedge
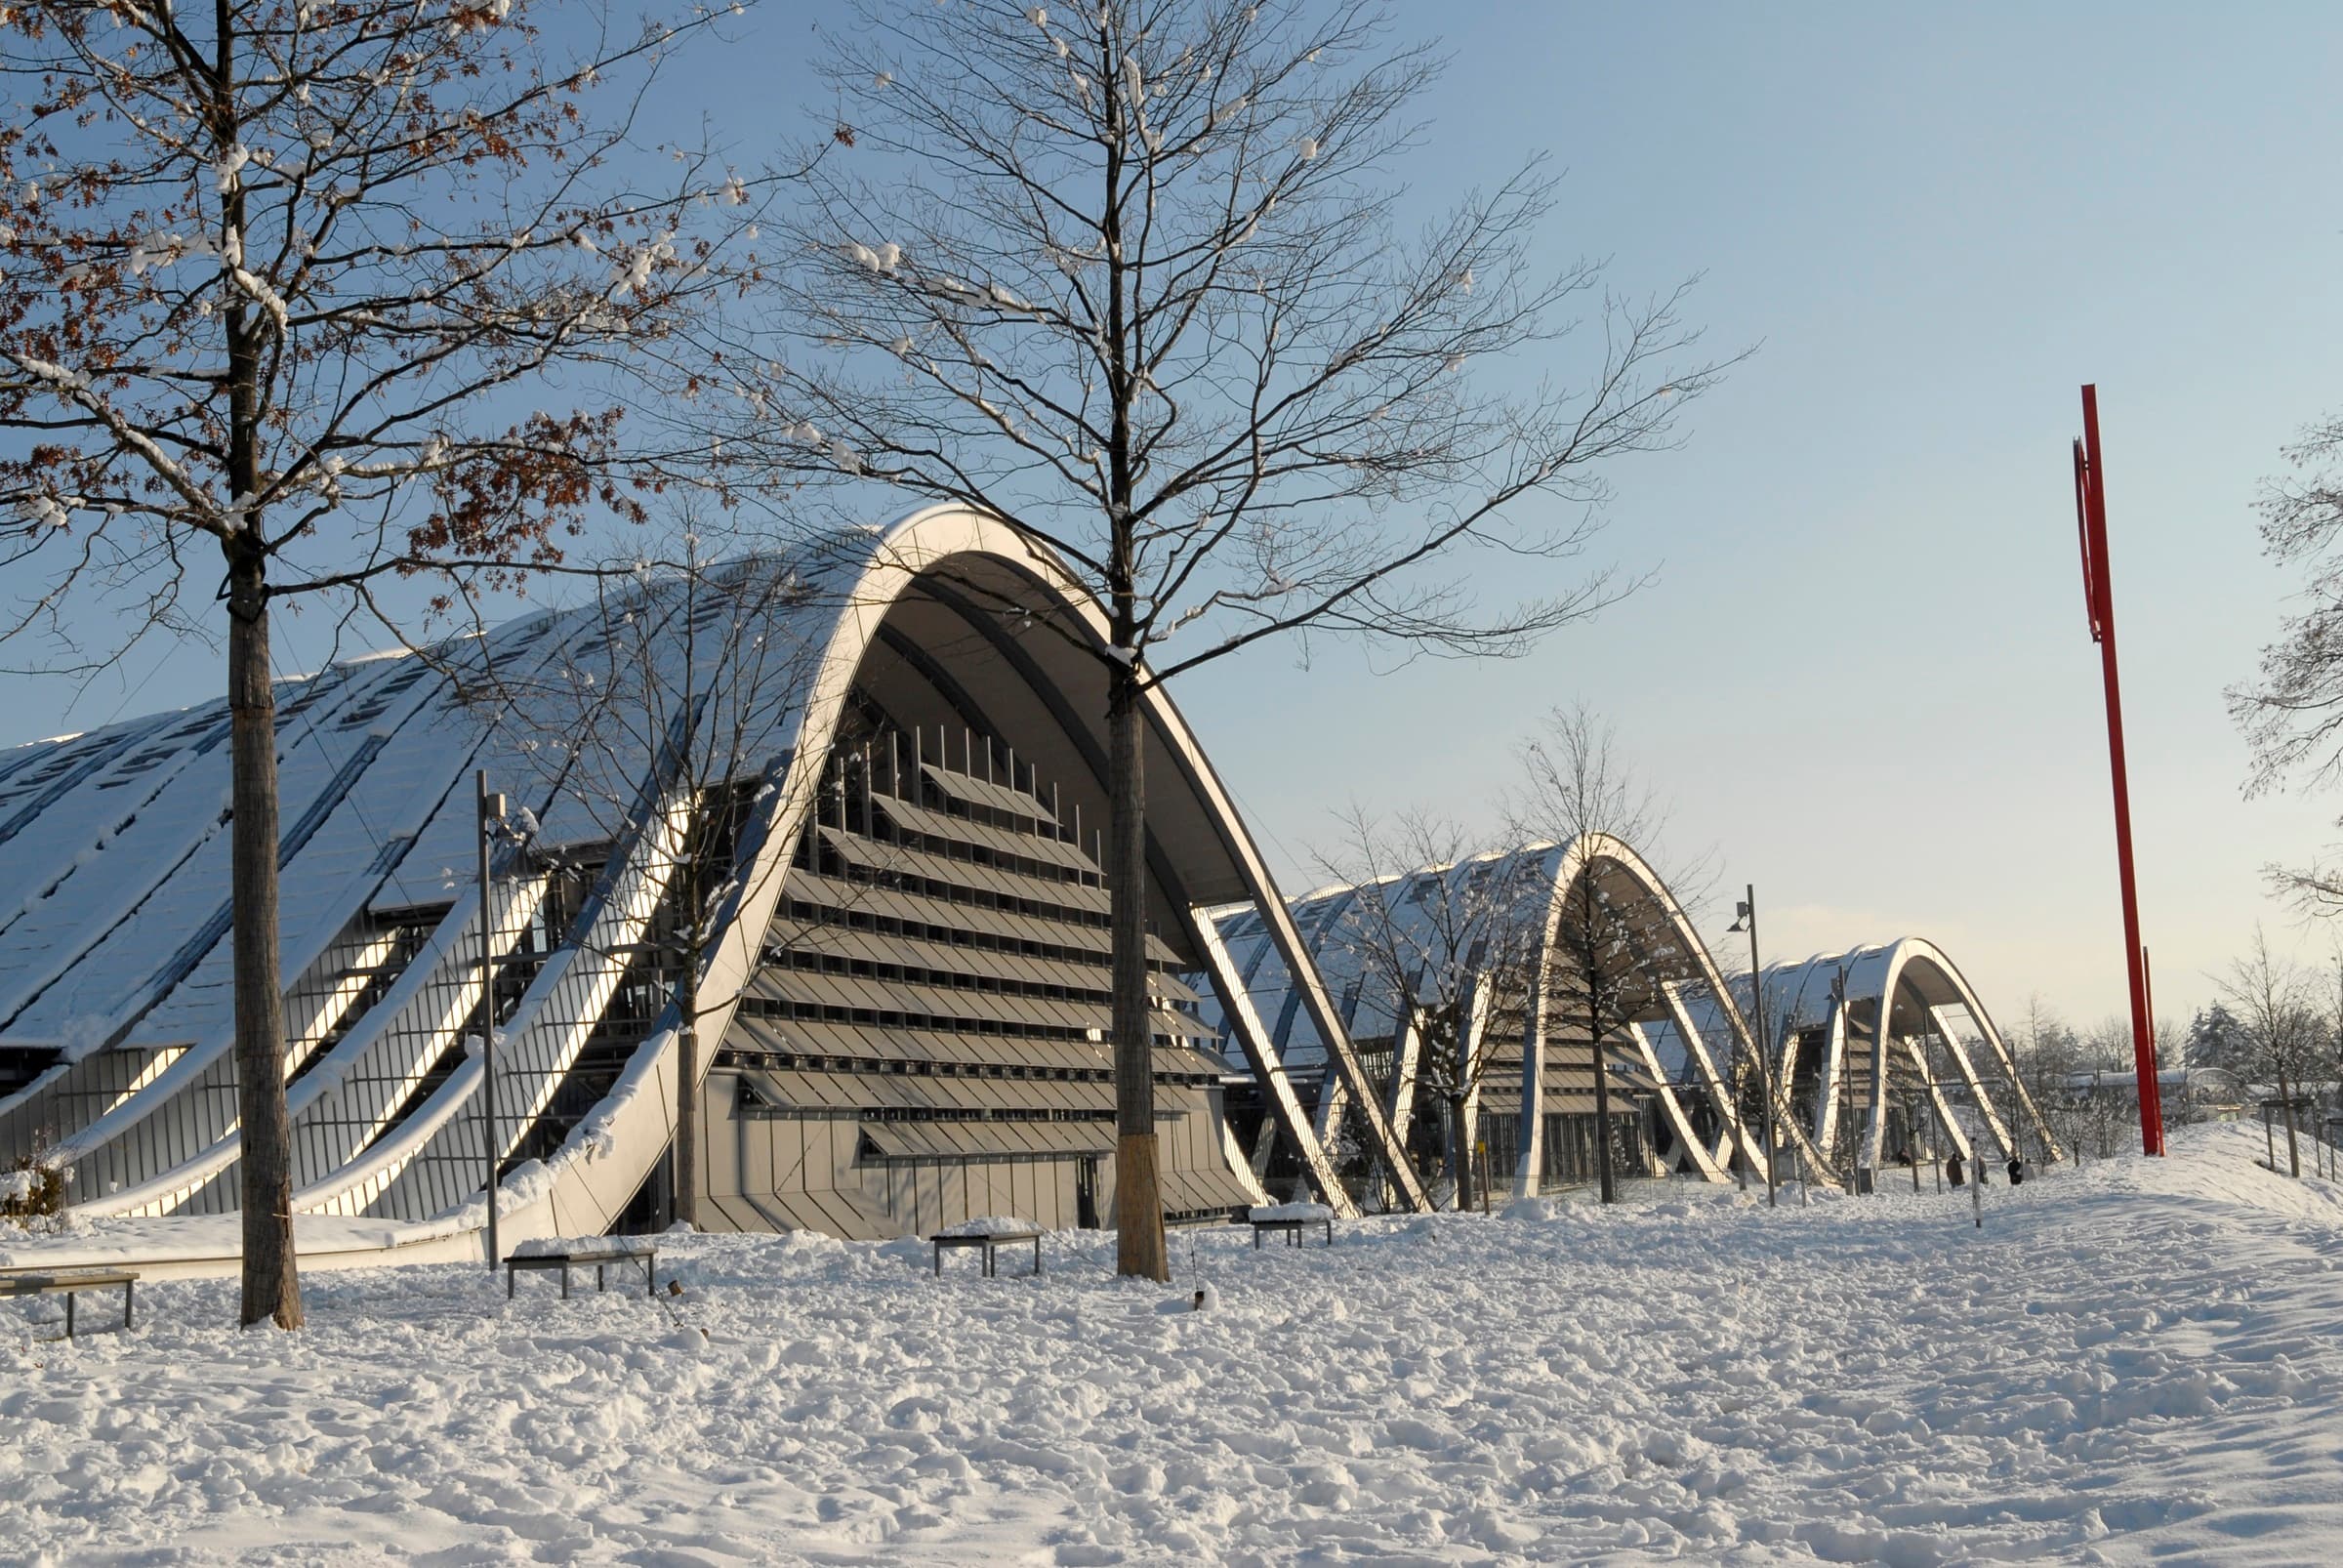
(30, 1190)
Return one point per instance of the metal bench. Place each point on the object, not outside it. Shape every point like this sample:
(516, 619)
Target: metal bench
(601, 1257)
(1291, 1226)
(990, 1242)
(69, 1283)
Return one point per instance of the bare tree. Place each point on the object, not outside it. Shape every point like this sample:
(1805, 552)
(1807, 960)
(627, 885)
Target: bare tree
(273, 275)
(1609, 951)
(2084, 1081)
(2292, 713)
(1128, 278)
(2105, 1052)
(2331, 1023)
(692, 679)
(1764, 1064)
(2047, 1052)
(1439, 933)
(1847, 1149)
(1750, 1075)
(2271, 999)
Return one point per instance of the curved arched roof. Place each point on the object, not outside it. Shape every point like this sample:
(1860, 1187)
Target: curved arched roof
(1687, 1031)
(113, 952)
(1842, 995)
(1351, 931)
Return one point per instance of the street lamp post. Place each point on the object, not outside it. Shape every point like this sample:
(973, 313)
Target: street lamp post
(491, 813)
(1745, 919)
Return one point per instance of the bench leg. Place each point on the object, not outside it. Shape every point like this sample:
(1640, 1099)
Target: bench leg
(647, 1260)
(510, 1273)
(940, 1260)
(1037, 1255)
(565, 1282)
(70, 1295)
(599, 1284)
(128, 1302)
(1256, 1238)
(1330, 1232)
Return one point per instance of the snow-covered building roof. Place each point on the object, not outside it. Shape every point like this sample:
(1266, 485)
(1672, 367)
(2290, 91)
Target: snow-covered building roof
(1479, 941)
(1853, 1035)
(1682, 1033)
(946, 645)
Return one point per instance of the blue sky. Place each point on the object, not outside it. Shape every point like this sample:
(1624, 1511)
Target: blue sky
(1862, 673)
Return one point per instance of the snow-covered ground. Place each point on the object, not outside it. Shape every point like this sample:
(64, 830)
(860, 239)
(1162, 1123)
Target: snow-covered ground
(2139, 1360)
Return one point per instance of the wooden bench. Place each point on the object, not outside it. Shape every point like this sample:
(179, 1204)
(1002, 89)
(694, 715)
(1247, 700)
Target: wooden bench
(69, 1283)
(1289, 1219)
(990, 1242)
(578, 1257)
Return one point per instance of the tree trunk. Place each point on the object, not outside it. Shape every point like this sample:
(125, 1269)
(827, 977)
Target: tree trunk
(1140, 1248)
(687, 1090)
(1606, 1180)
(1734, 1133)
(271, 1284)
(2286, 1095)
(1460, 1153)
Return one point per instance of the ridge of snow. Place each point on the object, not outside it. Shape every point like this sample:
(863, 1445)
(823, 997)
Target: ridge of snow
(990, 1225)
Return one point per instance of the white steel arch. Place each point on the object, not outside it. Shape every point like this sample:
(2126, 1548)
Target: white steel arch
(1594, 855)
(1329, 919)
(1698, 1021)
(1876, 1003)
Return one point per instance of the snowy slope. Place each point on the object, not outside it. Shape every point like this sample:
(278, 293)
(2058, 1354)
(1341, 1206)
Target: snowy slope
(2134, 1361)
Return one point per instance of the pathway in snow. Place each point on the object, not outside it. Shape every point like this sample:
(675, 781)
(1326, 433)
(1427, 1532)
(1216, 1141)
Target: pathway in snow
(2137, 1361)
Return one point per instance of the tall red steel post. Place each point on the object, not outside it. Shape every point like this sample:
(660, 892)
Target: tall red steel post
(2090, 518)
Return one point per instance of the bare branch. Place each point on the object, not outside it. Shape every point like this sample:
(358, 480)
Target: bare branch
(1130, 280)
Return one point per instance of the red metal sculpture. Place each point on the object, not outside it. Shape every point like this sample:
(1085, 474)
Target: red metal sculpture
(2090, 520)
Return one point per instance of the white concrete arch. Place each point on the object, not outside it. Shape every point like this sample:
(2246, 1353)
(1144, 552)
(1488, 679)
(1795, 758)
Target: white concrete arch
(1695, 1021)
(1594, 855)
(1686, 1002)
(1923, 970)
(1893, 992)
